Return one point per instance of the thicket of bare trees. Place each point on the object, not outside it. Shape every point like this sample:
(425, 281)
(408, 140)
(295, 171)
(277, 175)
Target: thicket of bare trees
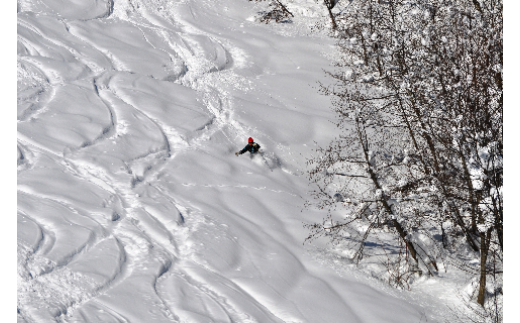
(419, 101)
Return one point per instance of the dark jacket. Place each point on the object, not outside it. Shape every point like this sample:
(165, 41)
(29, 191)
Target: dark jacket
(252, 148)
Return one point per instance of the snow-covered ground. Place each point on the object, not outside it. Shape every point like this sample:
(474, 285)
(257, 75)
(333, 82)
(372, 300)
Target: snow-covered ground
(132, 206)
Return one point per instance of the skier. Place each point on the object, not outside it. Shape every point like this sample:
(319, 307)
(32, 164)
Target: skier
(252, 147)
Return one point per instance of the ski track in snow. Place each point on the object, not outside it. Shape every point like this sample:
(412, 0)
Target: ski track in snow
(132, 206)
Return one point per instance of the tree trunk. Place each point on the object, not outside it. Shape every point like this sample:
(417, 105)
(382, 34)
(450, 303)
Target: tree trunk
(334, 26)
(284, 9)
(484, 248)
(471, 192)
(402, 231)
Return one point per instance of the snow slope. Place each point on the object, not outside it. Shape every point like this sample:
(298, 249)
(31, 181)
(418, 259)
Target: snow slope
(131, 204)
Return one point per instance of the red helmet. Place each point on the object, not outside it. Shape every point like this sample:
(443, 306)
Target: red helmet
(250, 139)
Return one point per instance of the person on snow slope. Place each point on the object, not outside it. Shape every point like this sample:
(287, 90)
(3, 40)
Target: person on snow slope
(252, 147)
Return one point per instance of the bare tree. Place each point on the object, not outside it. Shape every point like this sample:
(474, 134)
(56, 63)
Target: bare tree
(277, 11)
(330, 4)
